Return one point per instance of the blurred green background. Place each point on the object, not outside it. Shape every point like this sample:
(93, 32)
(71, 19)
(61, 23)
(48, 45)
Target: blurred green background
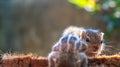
(33, 26)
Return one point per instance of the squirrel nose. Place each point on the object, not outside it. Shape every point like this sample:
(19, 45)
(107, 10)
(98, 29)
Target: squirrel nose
(95, 48)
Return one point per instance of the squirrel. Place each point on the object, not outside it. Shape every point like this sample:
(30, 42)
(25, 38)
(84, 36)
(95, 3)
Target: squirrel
(93, 37)
(69, 51)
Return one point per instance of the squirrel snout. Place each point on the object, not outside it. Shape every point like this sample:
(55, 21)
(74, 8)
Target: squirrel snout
(96, 48)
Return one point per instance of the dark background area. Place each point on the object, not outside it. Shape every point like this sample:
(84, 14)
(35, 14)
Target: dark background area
(33, 26)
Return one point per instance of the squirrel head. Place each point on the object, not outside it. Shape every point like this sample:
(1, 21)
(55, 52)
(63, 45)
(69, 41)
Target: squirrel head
(94, 39)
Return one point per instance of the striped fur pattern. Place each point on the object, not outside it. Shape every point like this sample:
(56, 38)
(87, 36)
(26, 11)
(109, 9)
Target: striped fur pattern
(71, 50)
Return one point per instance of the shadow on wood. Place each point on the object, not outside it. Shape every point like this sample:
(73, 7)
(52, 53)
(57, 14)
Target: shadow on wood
(30, 60)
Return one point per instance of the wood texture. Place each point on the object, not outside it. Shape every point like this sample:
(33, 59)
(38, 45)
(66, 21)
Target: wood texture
(20, 60)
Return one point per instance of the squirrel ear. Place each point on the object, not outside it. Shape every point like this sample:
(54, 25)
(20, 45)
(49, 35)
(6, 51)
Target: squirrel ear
(83, 35)
(102, 34)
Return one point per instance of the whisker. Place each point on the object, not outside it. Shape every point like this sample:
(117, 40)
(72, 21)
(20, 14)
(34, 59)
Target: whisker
(112, 47)
(111, 42)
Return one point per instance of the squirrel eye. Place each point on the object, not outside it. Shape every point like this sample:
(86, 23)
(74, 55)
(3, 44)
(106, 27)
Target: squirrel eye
(101, 41)
(87, 40)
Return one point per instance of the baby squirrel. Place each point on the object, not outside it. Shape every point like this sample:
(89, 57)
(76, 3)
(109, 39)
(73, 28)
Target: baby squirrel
(94, 39)
(69, 51)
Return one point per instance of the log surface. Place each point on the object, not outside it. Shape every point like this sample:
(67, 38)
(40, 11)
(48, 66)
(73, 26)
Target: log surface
(30, 60)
